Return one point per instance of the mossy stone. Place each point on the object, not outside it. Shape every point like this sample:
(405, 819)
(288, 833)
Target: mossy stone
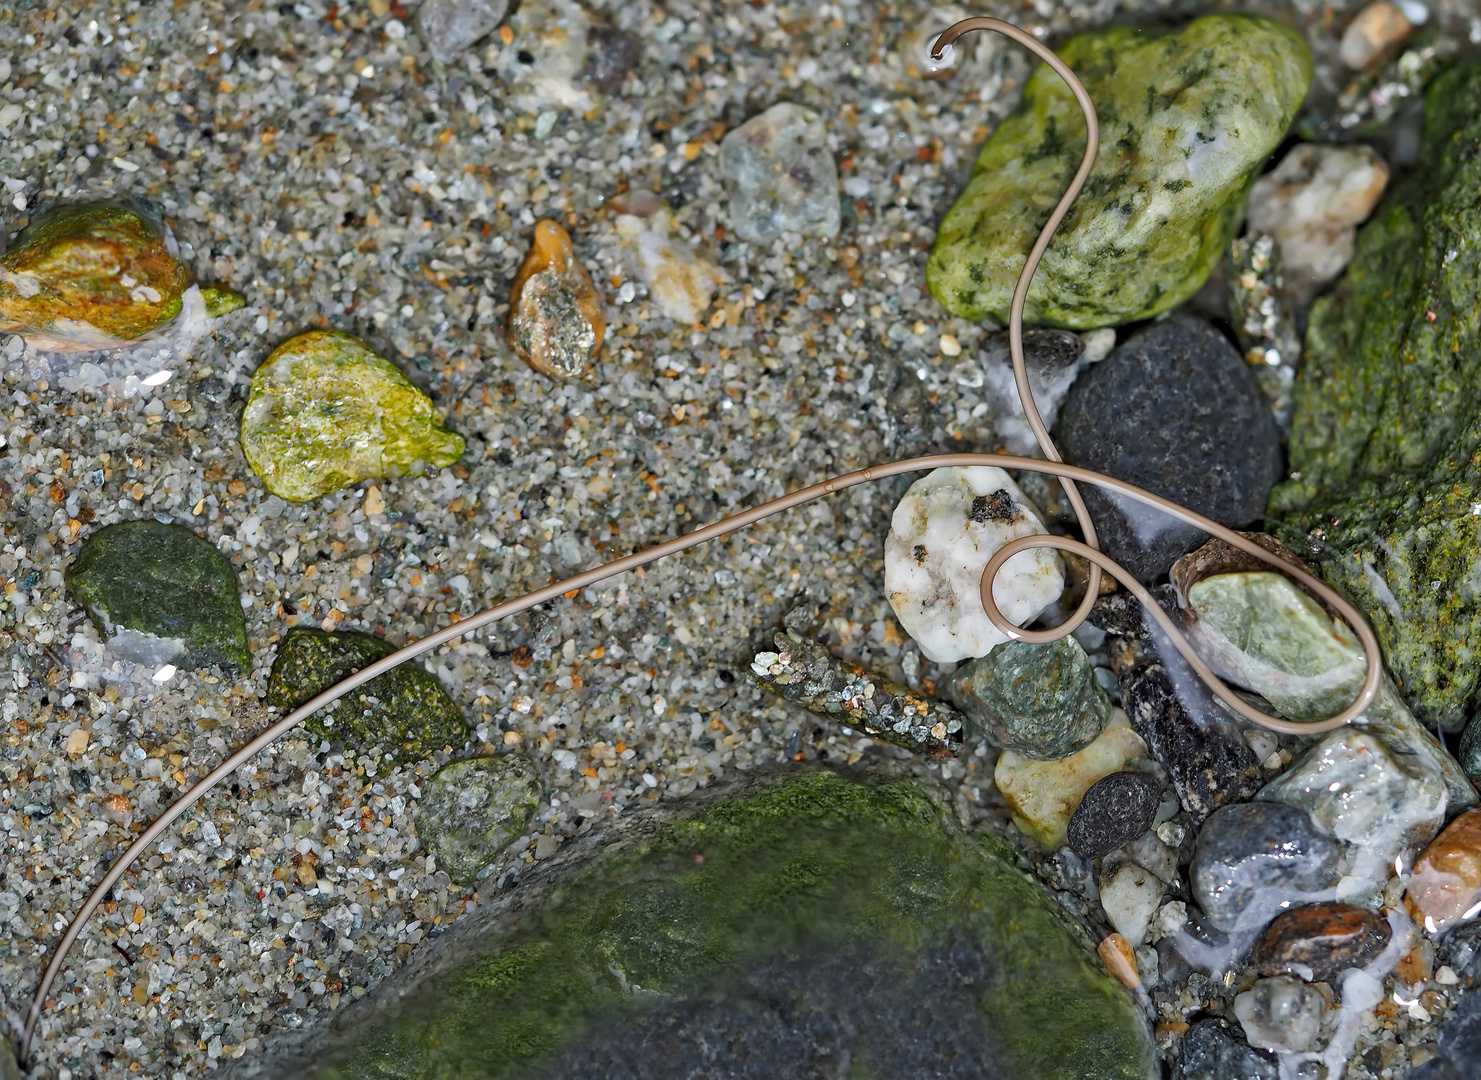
(1187, 119)
(160, 594)
(681, 917)
(471, 810)
(91, 276)
(405, 712)
(325, 411)
(1385, 447)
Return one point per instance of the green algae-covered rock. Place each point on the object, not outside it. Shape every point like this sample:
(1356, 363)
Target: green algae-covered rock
(90, 277)
(471, 810)
(1039, 700)
(325, 412)
(1385, 471)
(405, 712)
(852, 903)
(1187, 119)
(161, 595)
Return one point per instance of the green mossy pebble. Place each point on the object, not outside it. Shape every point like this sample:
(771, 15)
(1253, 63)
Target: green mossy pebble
(160, 594)
(471, 810)
(405, 713)
(1385, 447)
(325, 412)
(813, 861)
(1187, 119)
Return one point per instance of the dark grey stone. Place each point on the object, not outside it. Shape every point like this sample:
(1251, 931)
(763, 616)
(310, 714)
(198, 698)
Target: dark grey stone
(1256, 859)
(1114, 812)
(1212, 1051)
(1174, 410)
(1469, 751)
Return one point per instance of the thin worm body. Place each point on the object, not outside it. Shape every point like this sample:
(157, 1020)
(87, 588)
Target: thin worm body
(1068, 476)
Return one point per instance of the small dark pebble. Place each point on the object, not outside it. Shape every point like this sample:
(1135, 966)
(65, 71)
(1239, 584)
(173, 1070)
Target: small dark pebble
(1325, 939)
(1212, 1051)
(1114, 812)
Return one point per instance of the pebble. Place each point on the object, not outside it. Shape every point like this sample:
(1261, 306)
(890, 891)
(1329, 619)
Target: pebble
(942, 534)
(1255, 859)
(1054, 359)
(450, 27)
(1040, 700)
(1459, 1045)
(610, 55)
(545, 62)
(1211, 1051)
(1115, 811)
(1129, 895)
(402, 717)
(780, 175)
(1156, 216)
(681, 283)
(1445, 885)
(1376, 30)
(1175, 410)
(1281, 1014)
(161, 596)
(90, 277)
(1383, 805)
(1318, 942)
(555, 313)
(472, 810)
(1042, 795)
(325, 412)
(1313, 203)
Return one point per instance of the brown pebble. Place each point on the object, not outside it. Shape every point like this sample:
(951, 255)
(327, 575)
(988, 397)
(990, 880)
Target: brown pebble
(1446, 883)
(555, 314)
(118, 809)
(1115, 951)
(1320, 941)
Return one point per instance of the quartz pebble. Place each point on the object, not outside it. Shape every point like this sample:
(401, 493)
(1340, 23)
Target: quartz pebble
(1211, 1051)
(1042, 795)
(1378, 28)
(681, 283)
(1115, 811)
(544, 63)
(1313, 202)
(942, 534)
(1040, 700)
(1445, 886)
(555, 314)
(780, 175)
(610, 55)
(1281, 1014)
(1053, 359)
(1129, 895)
(160, 595)
(1317, 942)
(1255, 859)
(450, 27)
(325, 412)
(472, 810)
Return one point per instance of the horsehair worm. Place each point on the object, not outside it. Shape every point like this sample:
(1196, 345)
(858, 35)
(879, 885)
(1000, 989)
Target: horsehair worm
(1053, 466)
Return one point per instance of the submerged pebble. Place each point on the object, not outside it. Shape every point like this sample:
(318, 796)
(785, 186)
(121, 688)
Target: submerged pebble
(1255, 859)
(1281, 1014)
(1129, 894)
(1318, 942)
(780, 175)
(1211, 1051)
(472, 810)
(1445, 885)
(555, 312)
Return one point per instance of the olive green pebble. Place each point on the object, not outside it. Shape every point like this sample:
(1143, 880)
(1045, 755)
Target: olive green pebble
(471, 810)
(161, 594)
(404, 714)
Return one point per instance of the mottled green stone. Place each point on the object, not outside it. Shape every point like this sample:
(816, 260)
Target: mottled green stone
(1385, 469)
(1039, 700)
(471, 810)
(1187, 119)
(220, 301)
(812, 861)
(405, 712)
(160, 594)
(1261, 631)
(325, 412)
(90, 276)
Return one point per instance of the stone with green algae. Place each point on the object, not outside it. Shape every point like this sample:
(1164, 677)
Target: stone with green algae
(1385, 447)
(324, 412)
(850, 905)
(404, 714)
(472, 810)
(161, 595)
(89, 277)
(1187, 120)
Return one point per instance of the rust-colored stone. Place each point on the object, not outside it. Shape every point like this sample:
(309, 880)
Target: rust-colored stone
(1318, 942)
(1116, 953)
(1446, 883)
(555, 314)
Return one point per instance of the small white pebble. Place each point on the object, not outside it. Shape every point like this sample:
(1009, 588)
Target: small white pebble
(1446, 976)
(950, 346)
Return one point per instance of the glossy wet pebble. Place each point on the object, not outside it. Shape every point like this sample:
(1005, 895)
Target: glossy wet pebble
(1318, 942)
(1281, 1014)
(1114, 812)
(1446, 882)
(1212, 1051)
(1254, 859)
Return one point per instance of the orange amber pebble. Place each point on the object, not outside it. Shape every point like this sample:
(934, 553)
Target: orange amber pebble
(1115, 951)
(555, 314)
(1446, 884)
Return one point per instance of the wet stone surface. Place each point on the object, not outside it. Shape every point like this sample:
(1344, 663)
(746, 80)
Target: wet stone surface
(1210, 1051)
(1446, 883)
(1281, 1014)
(1115, 811)
(1317, 942)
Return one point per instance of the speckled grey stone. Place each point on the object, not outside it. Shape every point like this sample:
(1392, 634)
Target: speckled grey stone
(1174, 410)
(471, 810)
(1115, 811)
(1254, 859)
(1211, 1051)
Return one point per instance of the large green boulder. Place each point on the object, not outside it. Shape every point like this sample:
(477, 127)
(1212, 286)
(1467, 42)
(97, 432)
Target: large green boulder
(1385, 472)
(1187, 119)
(848, 906)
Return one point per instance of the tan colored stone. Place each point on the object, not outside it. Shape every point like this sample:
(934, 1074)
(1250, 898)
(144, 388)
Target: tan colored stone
(1446, 884)
(1378, 28)
(1313, 203)
(1043, 795)
(555, 314)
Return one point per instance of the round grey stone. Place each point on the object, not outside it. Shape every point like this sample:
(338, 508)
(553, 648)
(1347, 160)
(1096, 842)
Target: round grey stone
(1254, 860)
(1114, 812)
